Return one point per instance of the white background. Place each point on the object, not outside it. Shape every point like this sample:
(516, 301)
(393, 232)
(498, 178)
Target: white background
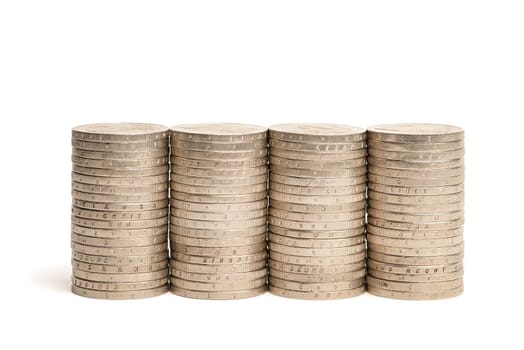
(64, 63)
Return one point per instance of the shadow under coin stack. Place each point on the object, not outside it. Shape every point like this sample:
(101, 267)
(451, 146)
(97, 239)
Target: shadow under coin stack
(218, 211)
(120, 210)
(416, 211)
(317, 211)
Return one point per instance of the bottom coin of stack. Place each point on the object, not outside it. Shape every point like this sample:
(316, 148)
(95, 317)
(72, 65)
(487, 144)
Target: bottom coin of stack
(317, 211)
(120, 211)
(416, 211)
(218, 211)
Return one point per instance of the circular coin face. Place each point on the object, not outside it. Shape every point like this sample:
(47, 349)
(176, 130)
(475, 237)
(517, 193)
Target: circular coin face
(415, 132)
(120, 132)
(216, 131)
(311, 132)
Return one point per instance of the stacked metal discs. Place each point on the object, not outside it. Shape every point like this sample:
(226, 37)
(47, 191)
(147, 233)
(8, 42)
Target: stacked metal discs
(218, 210)
(120, 210)
(416, 211)
(317, 211)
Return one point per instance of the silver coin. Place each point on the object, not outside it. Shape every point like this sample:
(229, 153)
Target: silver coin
(120, 132)
(316, 133)
(219, 132)
(424, 133)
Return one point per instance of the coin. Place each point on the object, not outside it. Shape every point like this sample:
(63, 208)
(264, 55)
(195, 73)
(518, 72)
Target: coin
(120, 181)
(110, 198)
(414, 270)
(447, 225)
(220, 225)
(314, 252)
(218, 172)
(101, 286)
(427, 133)
(417, 156)
(120, 251)
(399, 164)
(116, 190)
(323, 166)
(417, 191)
(220, 242)
(217, 269)
(219, 260)
(321, 133)
(414, 243)
(416, 200)
(415, 209)
(222, 199)
(315, 286)
(216, 233)
(324, 148)
(121, 277)
(320, 218)
(316, 191)
(216, 146)
(347, 258)
(219, 208)
(317, 278)
(114, 173)
(320, 182)
(121, 260)
(135, 294)
(219, 182)
(119, 225)
(228, 286)
(218, 190)
(317, 156)
(327, 200)
(120, 132)
(219, 164)
(406, 252)
(119, 164)
(417, 174)
(145, 146)
(218, 251)
(225, 216)
(226, 277)
(316, 233)
(118, 242)
(416, 218)
(414, 295)
(316, 243)
(219, 132)
(119, 215)
(219, 155)
(229, 295)
(119, 233)
(311, 270)
(100, 268)
(397, 181)
(78, 152)
(416, 146)
(441, 277)
(415, 286)
(316, 225)
(340, 294)
(313, 173)
(415, 260)
(318, 208)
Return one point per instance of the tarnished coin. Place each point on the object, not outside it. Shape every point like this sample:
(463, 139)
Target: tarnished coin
(135, 294)
(219, 132)
(340, 294)
(413, 133)
(415, 295)
(215, 295)
(120, 132)
(316, 133)
(121, 277)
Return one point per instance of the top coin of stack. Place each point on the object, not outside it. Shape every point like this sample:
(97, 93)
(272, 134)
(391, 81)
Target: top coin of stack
(416, 211)
(317, 211)
(218, 210)
(120, 210)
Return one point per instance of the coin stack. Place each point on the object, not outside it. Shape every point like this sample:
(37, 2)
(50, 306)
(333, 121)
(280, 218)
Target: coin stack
(416, 211)
(120, 210)
(218, 211)
(317, 211)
